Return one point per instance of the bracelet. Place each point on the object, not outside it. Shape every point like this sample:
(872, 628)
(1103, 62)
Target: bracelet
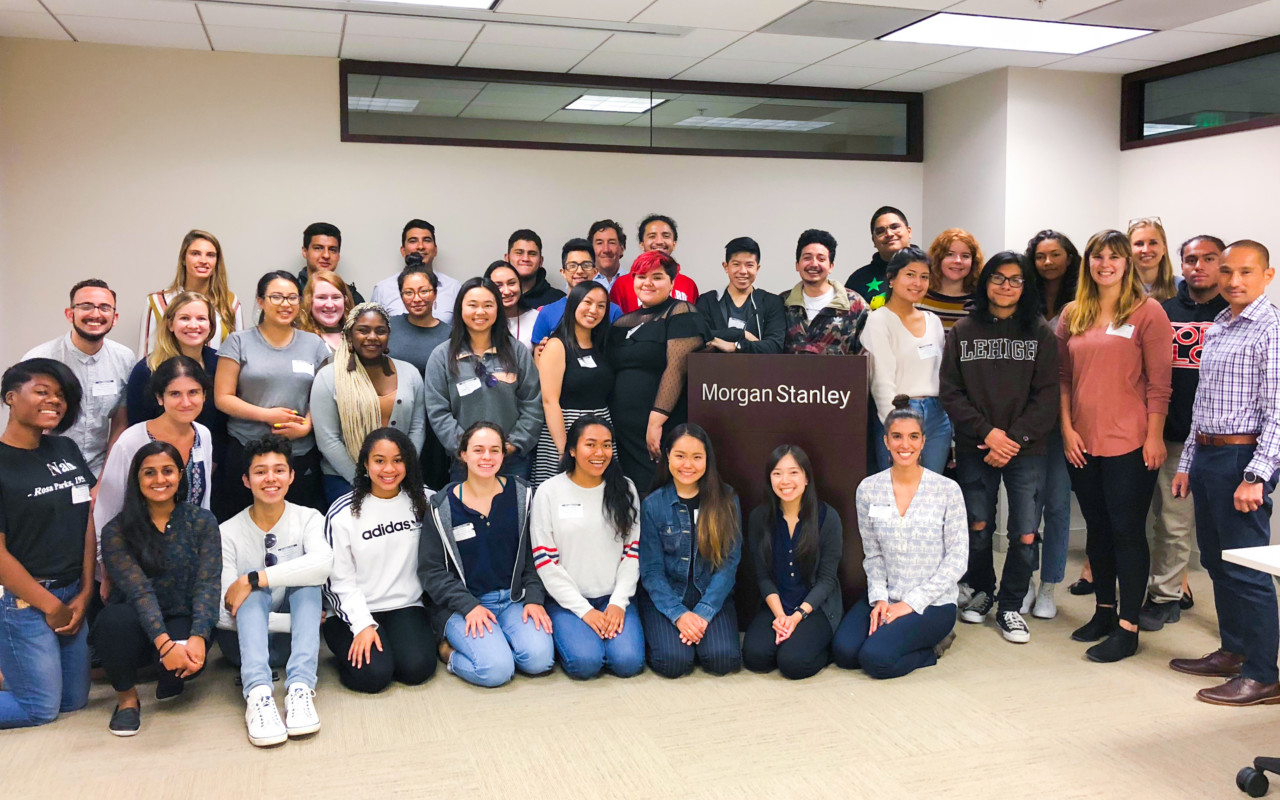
(165, 650)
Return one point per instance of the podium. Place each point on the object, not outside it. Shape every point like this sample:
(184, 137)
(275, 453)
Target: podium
(750, 404)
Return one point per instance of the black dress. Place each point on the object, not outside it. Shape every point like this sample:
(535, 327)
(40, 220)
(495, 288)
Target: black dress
(585, 388)
(649, 350)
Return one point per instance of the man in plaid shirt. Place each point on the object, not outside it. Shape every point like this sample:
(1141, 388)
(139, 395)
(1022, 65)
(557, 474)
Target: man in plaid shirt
(1229, 463)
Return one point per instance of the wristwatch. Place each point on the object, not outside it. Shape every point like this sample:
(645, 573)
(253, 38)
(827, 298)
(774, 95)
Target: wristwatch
(1252, 477)
(253, 580)
(803, 614)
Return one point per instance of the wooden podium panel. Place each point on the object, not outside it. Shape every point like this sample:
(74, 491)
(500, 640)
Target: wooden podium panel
(750, 404)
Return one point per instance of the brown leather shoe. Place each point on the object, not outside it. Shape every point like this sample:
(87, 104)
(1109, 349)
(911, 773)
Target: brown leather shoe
(1241, 691)
(1218, 664)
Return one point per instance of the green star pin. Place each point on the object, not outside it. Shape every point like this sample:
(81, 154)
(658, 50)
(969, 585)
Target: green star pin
(874, 286)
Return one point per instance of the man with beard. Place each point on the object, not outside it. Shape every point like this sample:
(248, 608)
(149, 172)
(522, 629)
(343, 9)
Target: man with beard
(101, 365)
(657, 232)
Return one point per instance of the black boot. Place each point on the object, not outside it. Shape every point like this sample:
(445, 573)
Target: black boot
(1120, 644)
(1103, 622)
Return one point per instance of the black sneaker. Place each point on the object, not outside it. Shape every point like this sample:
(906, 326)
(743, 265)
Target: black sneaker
(125, 721)
(1155, 615)
(1013, 627)
(976, 610)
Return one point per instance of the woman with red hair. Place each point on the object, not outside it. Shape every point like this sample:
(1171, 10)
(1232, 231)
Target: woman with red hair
(955, 259)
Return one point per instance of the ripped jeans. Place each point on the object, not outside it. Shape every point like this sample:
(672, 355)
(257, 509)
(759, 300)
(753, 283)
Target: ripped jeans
(1023, 480)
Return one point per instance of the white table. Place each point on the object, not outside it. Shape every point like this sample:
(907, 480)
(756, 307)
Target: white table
(1264, 559)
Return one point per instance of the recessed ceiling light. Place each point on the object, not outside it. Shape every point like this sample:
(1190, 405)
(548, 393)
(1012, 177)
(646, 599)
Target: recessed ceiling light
(746, 123)
(1003, 33)
(483, 5)
(605, 102)
(388, 104)
(1157, 128)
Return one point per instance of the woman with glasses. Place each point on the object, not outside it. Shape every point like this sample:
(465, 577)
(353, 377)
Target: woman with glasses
(200, 269)
(414, 334)
(483, 375)
(264, 386)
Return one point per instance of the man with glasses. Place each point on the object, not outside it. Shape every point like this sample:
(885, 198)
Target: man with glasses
(101, 365)
(576, 266)
(418, 249)
(890, 233)
(322, 250)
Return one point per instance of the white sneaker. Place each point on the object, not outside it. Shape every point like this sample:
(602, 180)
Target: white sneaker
(300, 712)
(263, 719)
(1045, 608)
(1028, 599)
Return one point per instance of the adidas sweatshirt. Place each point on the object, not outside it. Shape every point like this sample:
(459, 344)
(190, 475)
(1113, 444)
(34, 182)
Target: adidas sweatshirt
(375, 558)
(576, 550)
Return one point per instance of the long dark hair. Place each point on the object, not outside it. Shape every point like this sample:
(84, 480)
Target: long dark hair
(1028, 308)
(567, 330)
(141, 536)
(618, 501)
(718, 526)
(807, 529)
(412, 485)
(176, 367)
(24, 372)
(1067, 289)
(460, 336)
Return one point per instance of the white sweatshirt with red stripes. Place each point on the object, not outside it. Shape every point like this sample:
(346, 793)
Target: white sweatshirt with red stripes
(577, 551)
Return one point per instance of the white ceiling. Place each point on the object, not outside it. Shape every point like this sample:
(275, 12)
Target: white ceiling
(724, 42)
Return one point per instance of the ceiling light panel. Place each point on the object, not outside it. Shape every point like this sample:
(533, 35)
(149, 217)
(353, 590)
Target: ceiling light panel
(605, 102)
(1002, 33)
(480, 5)
(390, 105)
(748, 124)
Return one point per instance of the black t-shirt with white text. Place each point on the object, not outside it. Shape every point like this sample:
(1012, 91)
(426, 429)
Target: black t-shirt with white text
(44, 506)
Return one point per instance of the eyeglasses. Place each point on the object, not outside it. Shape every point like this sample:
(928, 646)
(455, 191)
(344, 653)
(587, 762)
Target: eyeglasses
(281, 299)
(1146, 221)
(490, 380)
(579, 266)
(409, 294)
(1016, 281)
(270, 541)
(85, 308)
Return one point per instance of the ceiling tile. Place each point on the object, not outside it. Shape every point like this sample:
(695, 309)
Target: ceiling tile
(509, 56)
(636, 65)
(982, 59)
(28, 25)
(732, 14)
(699, 43)
(155, 10)
(405, 28)
(424, 89)
(894, 55)
(534, 36)
(1158, 14)
(918, 80)
(838, 77)
(1167, 46)
(787, 49)
(1022, 9)
(1119, 66)
(616, 10)
(274, 42)
(724, 69)
(145, 33)
(271, 18)
(28, 6)
(927, 5)
(844, 21)
(395, 48)
(1260, 20)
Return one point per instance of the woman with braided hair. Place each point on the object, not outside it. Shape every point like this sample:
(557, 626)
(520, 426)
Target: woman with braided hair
(361, 390)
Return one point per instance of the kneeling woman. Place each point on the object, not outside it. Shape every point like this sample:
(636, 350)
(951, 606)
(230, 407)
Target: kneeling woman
(916, 544)
(378, 627)
(164, 559)
(477, 566)
(586, 546)
(796, 541)
(690, 546)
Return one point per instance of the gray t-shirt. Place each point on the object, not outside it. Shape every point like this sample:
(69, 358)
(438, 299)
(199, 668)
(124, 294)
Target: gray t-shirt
(410, 343)
(272, 377)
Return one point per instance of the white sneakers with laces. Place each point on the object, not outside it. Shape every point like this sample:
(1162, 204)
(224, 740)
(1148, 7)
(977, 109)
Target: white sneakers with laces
(262, 718)
(301, 718)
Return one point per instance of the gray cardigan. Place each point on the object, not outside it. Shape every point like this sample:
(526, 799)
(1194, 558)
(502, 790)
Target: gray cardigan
(407, 416)
(822, 578)
(514, 405)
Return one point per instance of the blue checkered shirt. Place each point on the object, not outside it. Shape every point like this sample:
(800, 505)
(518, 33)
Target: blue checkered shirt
(1239, 390)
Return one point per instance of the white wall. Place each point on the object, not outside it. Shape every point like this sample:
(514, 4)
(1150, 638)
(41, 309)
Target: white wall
(108, 155)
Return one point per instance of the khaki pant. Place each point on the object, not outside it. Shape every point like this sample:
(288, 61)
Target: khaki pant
(1171, 529)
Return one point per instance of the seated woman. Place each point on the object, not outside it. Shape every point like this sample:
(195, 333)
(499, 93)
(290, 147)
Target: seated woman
(796, 541)
(477, 566)
(915, 540)
(377, 626)
(690, 546)
(47, 551)
(164, 559)
(362, 390)
(586, 546)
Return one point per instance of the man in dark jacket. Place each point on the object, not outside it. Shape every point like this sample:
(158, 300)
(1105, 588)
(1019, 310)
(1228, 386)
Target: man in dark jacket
(743, 319)
(999, 386)
(322, 250)
(890, 233)
(524, 252)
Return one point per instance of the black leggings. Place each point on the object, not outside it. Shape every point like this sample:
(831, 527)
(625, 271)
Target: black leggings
(307, 489)
(408, 651)
(124, 647)
(804, 653)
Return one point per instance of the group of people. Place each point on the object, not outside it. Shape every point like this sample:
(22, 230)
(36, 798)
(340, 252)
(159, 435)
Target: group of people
(269, 486)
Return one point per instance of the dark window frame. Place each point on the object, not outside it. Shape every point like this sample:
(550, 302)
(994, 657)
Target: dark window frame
(1133, 85)
(913, 101)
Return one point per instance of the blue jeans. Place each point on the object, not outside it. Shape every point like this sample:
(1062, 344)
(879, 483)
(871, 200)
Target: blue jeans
(1245, 598)
(335, 486)
(902, 646)
(583, 653)
(937, 437)
(492, 659)
(303, 606)
(1056, 536)
(44, 674)
(1023, 478)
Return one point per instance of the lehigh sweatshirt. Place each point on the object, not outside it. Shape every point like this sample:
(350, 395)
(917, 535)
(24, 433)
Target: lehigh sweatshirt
(996, 375)
(375, 558)
(578, 553)
(303, 557)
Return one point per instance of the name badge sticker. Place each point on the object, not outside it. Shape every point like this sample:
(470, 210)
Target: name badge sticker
(461, 533)
(468, 386)
(288, 553)
(304, 368)
(197, 453)
(80, 493)
(734, 322)
(881, 511)
(105, 389)
(587, 362)
(1125, 331)
(928, 351)
(571, 511)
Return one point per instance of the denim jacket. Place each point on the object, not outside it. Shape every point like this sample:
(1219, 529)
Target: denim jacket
(667, 544)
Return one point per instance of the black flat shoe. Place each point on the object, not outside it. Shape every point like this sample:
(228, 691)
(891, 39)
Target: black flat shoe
(1081, 587)
(1186, 601)
(125, 721)
(1102, 624)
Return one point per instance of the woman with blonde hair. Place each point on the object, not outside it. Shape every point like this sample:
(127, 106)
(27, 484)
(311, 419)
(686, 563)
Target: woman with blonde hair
(1151, 257)
(200, 269)
(325, 304)
(955, 259)
(185, 330)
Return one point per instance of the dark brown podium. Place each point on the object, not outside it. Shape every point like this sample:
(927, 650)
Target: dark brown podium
(750, 404)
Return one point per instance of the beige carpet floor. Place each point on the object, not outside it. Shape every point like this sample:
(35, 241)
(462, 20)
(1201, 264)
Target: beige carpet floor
(991, 720)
